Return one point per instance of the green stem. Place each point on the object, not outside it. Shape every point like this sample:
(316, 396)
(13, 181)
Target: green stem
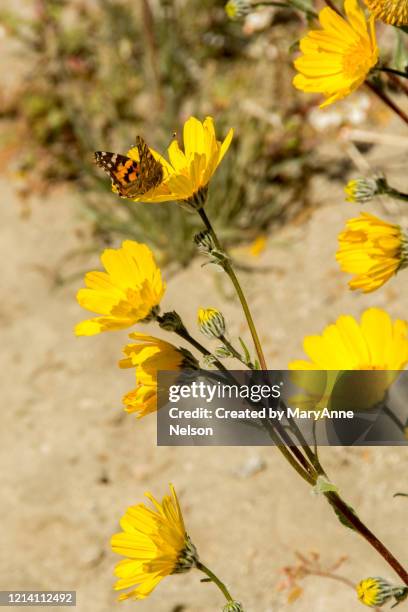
(230, 271)
(398, 195)
(393, 417)
(291, 453)
(213, 578)
(186, 336)
(235, 353)
(312, 456)
(291, 4)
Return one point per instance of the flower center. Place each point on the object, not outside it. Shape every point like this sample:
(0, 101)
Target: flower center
(356, 62)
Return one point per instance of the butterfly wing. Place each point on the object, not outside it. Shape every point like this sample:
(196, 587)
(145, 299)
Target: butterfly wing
(131, 178)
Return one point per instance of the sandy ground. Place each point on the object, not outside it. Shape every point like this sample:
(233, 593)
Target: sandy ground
(72, 461)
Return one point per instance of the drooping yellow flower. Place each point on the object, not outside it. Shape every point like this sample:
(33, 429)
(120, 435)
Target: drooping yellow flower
(128, 292)
(154, 543)
(373, 250)
(376, 343)
(394, 12)
(150, 355)
(189, 170)
(337, 59)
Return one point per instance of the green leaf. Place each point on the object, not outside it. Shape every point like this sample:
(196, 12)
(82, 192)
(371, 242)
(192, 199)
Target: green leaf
(323, 485)
(247, 354)
(343, 520)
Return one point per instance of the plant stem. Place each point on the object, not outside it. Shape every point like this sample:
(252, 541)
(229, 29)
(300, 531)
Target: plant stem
(235, 353)
(383, 96)
(230, 271)
(336, 501)
(271, 3)
(398, 195)
(213, 578)
(186, 336)
(288, 5)
(394, 71)
(307, 465)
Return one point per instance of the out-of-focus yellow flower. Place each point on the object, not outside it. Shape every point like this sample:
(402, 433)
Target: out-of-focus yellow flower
(394, 12)
(377, 591)
(150, 355)
(238, 9)
(257, 246)
(211, 322)
(189, 170)
(373, 250)
(376, 343)
(154, 543)
(337, 59)
(128, 292)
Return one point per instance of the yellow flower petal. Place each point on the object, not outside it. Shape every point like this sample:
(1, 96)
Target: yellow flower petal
(337, 59)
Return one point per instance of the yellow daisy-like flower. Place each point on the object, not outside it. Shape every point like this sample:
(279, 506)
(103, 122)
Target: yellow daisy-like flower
(150, 355)
(337, 59)
(376, 343)
(373, 250)
(188, 172)
(394, 12)
(154, 543)
(128, 292)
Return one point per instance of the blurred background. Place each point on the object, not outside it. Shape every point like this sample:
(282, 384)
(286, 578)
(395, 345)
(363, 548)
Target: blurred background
(80, 76)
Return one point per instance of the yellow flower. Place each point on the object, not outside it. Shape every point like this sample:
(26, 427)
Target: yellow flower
(154, 543)
(128, 292)
(211, 322)
(188, 172)
(376, 343)
(258, 246)
(377, 591)
(373, 250)
(394, 12)
(150, 355)
(337, 59)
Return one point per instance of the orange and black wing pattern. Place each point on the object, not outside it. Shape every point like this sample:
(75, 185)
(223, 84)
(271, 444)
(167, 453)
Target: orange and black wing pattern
(131, 178)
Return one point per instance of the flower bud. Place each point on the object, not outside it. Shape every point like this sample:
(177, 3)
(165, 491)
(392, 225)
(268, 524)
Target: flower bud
(365, 189)
(211, 322)
(233, 606)
(238, 9)
(377, 591)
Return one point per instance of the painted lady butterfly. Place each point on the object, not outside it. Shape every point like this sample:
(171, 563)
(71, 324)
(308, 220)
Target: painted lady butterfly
(131, 178)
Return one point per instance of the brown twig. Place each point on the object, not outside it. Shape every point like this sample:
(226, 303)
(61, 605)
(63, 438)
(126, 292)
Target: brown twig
(383, 96)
